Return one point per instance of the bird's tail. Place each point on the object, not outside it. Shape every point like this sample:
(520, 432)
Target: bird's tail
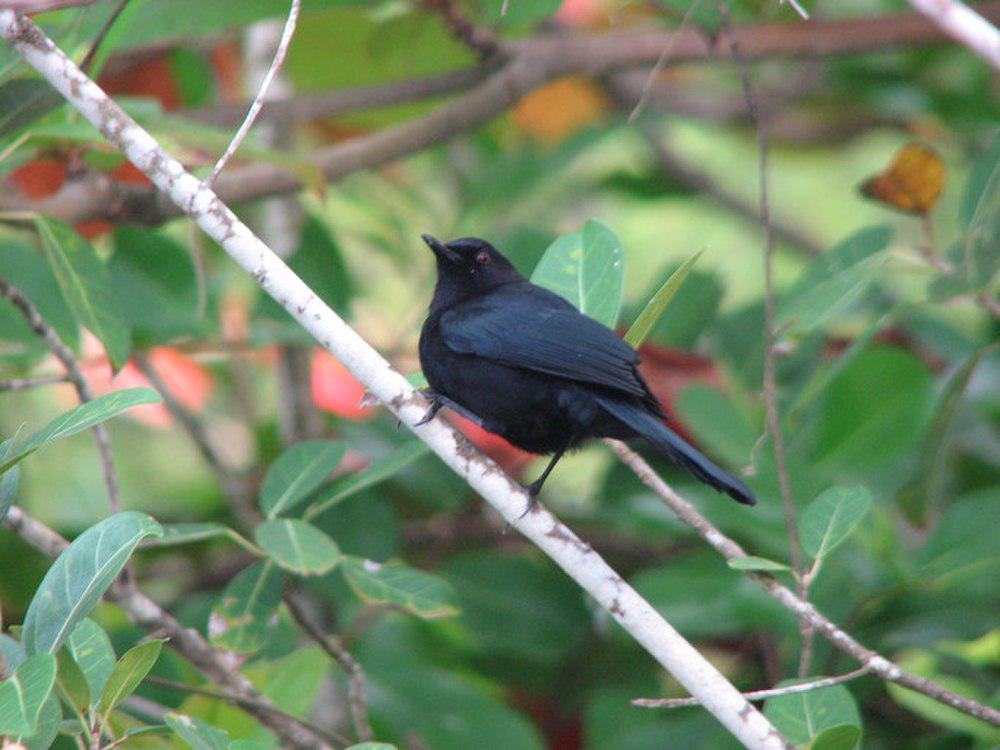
(675, 448)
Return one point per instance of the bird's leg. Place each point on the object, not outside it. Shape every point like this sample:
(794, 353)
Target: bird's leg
(535, 487)
(438, 401)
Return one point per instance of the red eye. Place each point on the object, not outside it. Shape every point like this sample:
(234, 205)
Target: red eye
(483, 258)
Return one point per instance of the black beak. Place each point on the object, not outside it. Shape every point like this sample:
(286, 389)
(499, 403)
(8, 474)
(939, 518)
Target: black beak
(441, 250)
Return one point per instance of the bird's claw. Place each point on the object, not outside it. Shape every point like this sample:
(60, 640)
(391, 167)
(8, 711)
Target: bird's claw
(436, 406)
(532, 490)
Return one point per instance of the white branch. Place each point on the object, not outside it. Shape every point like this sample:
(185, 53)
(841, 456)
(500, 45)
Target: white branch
(964, 25)
(258, 102)
(572, 554)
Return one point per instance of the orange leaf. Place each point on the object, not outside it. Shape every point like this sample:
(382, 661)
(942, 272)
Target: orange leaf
(556, 111)
(912, 183)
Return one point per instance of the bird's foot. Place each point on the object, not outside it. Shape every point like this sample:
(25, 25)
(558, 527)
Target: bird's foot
(436, 405)
(532, 489)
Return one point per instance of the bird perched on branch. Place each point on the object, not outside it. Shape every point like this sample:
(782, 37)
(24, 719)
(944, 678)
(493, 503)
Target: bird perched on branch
(525, 364)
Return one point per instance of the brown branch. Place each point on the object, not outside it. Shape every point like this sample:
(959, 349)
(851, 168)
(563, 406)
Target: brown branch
(533, 63)
(237, 487)
(242, 701)
(65, 356)
(802, 609)
(770, 336)
(327, 104)
(357, 694)
(217, 666)
(757, 695)
(479, 40)
(17, 384)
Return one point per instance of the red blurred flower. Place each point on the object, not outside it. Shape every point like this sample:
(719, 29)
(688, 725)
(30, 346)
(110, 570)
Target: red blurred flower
(336, 390)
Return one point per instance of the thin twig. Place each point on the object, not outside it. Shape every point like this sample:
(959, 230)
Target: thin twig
(661, 63)
(236, 487)
(357, 694)
(257, 104)
(88, 60)
(235, 699)
(770, 338)
(218, 666)
(17, 384)
(757, 695)
(303, 107)
(673, 167)
(802, 609)
(62, 352)
(798, 8)
(481, 41)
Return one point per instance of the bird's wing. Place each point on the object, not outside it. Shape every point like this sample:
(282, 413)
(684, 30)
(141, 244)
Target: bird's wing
(523, 325)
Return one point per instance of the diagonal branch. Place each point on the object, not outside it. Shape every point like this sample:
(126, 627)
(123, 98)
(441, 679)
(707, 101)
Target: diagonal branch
(146, 613)
(357, 693)
(965, 26)
(533, 63)
(802, 609)
(573, 555)
(62, 352)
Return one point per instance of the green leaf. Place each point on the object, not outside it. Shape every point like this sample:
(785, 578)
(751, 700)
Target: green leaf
(726, 604)
(502, 597)
(8, 481)
(84, 281)
(378, 471)
(927, 664)
(296, 473)
(587, 269)
(830, 518)
(199, 734)
(241, 620)
(128, 673)
(12, 654)
(722, 429)
(655, 307)
(91, 648)
(155, 283)
(752, 562)
(372, 746)
(82, 417)
(175, 534)
(929, 479)
(840, 737)
(71, 681)
(833, 280)
(802, 717)
(79, 577)
(297, 546)
(876, 408)
(25, 267)
(47, 726)
(23, 695)
(415, 591)
(23, 101)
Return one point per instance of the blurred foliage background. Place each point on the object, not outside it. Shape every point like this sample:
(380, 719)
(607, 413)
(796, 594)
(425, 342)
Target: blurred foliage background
(887, 365)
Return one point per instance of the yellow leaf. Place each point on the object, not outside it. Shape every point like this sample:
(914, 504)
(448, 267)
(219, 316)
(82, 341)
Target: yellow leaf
(912, 183)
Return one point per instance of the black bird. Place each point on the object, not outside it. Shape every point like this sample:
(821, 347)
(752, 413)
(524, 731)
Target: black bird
(523, 363)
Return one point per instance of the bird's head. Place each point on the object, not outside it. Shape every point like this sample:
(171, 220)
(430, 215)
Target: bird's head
(469, 266)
